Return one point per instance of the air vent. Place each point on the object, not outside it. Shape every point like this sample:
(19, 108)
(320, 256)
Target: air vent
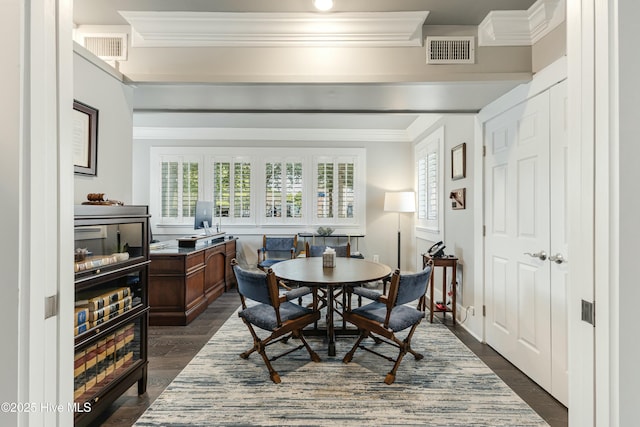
(450, 50)
(109, 47)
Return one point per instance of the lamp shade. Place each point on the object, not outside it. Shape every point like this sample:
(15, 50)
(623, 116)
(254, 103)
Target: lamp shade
(400, 201)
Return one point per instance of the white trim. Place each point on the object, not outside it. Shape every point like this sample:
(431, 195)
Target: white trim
(606, 219)
(521, 27)
(477, 322)
(580, 209)
(279, 134)
(189, 29)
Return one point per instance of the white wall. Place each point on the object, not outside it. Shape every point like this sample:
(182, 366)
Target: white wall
(105, 91)
(389, 167)
(458, 224)
(624, 231)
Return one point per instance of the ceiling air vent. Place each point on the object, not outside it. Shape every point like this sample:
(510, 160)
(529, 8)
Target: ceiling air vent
(109, 47)
(450, 50)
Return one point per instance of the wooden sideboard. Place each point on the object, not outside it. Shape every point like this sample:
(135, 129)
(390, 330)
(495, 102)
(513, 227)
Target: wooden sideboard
(184, 281)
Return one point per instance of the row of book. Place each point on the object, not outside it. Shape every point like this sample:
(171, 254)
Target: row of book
(97, 309)
(94, 262)
(96, 364)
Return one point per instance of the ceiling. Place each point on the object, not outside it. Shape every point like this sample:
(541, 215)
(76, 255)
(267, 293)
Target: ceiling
(310, 105)
(441, 12)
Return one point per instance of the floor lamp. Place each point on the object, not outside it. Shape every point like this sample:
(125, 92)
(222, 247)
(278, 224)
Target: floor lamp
(399, 201)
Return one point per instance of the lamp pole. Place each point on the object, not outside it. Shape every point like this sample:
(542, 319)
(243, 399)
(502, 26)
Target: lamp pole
(401, 201)
(399, 241)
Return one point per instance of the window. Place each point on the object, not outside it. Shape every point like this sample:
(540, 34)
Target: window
(429, 169)
(232, 188)
(296, 189)
(179, 189)
(242, 190)
(283, 187)
(335, 189)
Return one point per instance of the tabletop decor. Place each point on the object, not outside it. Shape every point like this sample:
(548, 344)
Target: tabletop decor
(325, 231)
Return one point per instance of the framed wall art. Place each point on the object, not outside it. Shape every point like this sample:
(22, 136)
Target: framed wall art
(85, 139)
(458, 198)
(459, 161)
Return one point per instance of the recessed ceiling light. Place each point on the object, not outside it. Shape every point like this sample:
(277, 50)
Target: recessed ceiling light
(323, 4)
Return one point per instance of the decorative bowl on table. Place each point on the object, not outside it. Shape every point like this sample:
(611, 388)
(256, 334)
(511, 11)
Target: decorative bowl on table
(324, 231)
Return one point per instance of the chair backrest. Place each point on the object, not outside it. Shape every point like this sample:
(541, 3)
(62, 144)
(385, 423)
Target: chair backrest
(254, 285)
(279, 247)
(343, 251)
(409, 287)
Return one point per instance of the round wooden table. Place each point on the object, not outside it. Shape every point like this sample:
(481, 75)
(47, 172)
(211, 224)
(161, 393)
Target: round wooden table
(347, 271)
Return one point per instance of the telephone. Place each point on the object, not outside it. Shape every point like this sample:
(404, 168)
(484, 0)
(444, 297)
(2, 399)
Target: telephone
(437, 250)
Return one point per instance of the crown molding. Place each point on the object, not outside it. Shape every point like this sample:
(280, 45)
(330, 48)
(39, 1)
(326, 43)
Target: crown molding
(194, 29)
(521, 27)
(269, 134)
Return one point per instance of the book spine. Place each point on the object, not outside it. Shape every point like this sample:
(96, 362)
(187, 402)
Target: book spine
(111, 308)
(104, 300)
(109, 317)
(81, 316)
(81, 328)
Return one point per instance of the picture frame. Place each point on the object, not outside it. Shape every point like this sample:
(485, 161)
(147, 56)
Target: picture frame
(458, 198)
(85, 139)
(459, 161)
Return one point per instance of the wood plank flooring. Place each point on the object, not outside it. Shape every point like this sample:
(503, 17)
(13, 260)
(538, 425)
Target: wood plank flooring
(172, 347)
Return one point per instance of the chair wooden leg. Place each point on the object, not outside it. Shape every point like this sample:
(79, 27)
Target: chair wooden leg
(391, 376)
(347, 357)
(407, 342)
(275, 377)
(405, 347)
(314, 356)
(256, 341)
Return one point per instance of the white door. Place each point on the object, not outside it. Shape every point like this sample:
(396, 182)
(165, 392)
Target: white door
(517, 285)
(559, 256)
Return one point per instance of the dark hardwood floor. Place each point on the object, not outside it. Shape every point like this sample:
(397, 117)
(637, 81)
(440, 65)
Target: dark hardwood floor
(172, 347)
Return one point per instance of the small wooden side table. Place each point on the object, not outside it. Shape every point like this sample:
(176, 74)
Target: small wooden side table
(448, 261)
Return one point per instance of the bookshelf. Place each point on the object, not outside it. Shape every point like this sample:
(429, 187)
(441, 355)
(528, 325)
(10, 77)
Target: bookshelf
(112, 305)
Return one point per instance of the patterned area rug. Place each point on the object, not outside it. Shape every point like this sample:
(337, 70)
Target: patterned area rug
(449, 387)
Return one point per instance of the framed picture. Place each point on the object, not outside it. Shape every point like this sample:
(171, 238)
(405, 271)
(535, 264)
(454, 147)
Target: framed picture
(458, 198)
(85, 139)
(458, 161)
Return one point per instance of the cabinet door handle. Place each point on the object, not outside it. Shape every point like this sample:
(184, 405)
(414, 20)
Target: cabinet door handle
(542, 255)
(557, 258)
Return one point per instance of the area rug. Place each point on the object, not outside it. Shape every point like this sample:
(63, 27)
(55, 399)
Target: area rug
(449, 387)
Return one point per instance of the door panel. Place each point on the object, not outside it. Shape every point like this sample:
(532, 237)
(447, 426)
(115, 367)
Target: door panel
(517, 212)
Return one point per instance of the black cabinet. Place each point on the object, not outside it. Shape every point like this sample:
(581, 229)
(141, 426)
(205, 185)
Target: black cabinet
(112, 306)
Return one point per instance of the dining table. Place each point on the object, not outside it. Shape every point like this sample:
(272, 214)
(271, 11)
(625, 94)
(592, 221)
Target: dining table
(345, 272)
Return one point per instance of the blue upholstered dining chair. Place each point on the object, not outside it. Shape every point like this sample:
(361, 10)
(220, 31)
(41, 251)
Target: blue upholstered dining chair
(276, 249)
(343, 251)
(273, 313)
(389, 314)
